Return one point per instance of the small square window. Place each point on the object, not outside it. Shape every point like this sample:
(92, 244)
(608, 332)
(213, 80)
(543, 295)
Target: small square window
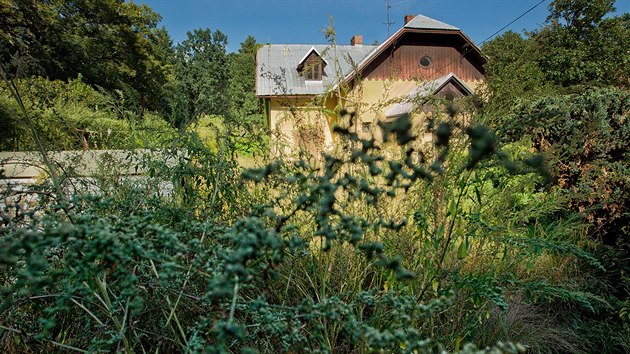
(366, 127)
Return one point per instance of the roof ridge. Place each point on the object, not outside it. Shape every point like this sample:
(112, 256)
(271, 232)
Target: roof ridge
(421, 21)
(312, 45)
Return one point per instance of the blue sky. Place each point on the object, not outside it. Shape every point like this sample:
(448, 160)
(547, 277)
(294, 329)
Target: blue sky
(302, 21)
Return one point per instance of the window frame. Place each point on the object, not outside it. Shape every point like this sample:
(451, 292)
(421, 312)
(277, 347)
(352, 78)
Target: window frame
(313, 71)
(427, 57)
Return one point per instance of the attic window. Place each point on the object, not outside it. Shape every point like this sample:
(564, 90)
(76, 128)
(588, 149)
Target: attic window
(426, 62)
(311, 67)
(313, 71)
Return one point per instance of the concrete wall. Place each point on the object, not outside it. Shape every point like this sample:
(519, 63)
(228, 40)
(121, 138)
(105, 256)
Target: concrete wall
(27, 164)
(23, 175)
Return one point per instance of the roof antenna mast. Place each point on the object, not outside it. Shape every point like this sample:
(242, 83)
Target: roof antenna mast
(389, 22)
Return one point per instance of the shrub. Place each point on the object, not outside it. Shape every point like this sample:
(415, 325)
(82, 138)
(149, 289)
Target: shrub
(73, 115)
(359, 253)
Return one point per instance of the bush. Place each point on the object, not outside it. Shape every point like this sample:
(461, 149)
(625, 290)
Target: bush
(358, 253)
(73, 115)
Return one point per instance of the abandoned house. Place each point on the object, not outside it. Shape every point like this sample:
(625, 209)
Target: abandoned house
(303, 87)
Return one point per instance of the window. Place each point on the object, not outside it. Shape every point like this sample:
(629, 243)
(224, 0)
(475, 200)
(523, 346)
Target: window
(426, 62)
(366, 127)
(313, 71)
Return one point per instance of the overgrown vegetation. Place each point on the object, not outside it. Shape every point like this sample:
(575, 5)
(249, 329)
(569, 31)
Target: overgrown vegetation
(563, 91)
(508, 233)
(74, 115)
(134, 77)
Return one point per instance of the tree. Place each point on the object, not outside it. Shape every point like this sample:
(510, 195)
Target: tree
(582, 47)
(246, 118)
(512, 71)
(580, 15)
(243, 101)
(111, 43)
(578, 48)
(201, 77)
(564, 88)
(164, 62)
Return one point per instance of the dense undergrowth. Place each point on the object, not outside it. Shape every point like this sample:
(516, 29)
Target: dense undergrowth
(358, 252)
(75, 115)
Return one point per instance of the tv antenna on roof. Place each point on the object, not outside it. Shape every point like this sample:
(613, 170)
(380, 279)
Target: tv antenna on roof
(389, 22)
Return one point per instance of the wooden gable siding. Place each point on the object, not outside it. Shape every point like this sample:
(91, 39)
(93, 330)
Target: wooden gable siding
(401, 60)
(313, 58)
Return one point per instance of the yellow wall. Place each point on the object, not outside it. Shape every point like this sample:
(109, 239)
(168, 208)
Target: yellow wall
(299, 123)
(372, 98)
(302, 123)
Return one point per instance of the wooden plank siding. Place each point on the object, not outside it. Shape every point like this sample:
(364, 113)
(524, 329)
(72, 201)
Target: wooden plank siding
(449, 53)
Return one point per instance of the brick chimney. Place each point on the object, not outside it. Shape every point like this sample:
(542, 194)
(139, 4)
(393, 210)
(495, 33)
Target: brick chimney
(409, 18)
(356, 40)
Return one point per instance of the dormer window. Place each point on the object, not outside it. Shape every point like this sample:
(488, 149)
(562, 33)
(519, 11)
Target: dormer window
(311, 67)
(313, 71)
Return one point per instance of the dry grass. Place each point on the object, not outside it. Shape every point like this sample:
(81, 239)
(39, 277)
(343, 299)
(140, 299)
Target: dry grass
(529, 324)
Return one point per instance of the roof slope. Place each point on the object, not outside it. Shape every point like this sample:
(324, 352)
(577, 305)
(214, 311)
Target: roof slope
(424, 22)
(277, 67)
(426, 89)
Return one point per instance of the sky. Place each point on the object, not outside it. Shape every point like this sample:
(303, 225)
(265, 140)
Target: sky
(303, 21)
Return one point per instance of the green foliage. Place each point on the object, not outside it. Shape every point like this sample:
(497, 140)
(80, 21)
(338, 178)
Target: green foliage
(574, 113)
(580, 15)
(118, 48)
(112, 44)
(585, 136)
(292, 256)
(201, 78)
(512, 70)
(243, 101)
(75, 116)
(357, 252)
(588, 50)
(245, 114)
(579, 47)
